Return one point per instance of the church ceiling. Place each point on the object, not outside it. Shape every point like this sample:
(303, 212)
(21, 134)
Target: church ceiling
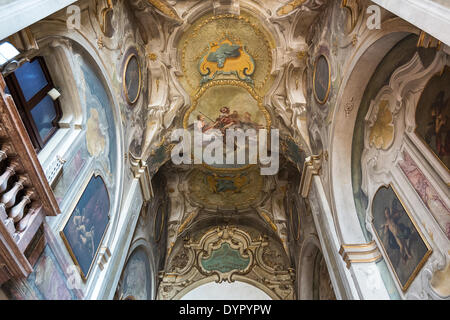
(219, 65)
(226, 61)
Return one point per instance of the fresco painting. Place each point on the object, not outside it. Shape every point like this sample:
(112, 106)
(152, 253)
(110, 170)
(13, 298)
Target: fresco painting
(404, 246)
(433, 117)
(84, 230)
(135, 283)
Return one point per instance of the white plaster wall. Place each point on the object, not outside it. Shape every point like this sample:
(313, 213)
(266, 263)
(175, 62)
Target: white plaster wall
(430, 16)
(16, 15)
(226, 291)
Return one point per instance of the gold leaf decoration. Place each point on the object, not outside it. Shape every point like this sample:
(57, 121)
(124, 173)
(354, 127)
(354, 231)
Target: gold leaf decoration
(382, 132)
(166, 9)
(291, 6)
(353, 7)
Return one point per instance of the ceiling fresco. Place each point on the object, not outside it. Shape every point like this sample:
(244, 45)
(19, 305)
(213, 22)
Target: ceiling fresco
(240, 98)
(227, 70)
(226, 46)
(226, 190)
(226, 61)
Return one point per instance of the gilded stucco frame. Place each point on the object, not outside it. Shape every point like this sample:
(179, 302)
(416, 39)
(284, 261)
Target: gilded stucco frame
(176, 281)
(72, 208)
(327, 95)
(386, 256)
(124, 80)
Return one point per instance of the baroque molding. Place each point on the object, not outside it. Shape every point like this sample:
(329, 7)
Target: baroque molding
(311, 167)
(167, 10)
(227, 253)
(141, 172)
(354, 7)
(104, 256)
(389, 118)
(427, 41)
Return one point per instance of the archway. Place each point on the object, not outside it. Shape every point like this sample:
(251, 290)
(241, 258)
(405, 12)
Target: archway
(231, 257)
(226, 291)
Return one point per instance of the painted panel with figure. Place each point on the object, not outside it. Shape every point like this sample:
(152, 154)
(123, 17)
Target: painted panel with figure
(433, 117)
(322, 79)
(402, 242)
(85, 228)
(101, 137)
(132, 79)
(226, 105)
(135, 283)
(47, 282)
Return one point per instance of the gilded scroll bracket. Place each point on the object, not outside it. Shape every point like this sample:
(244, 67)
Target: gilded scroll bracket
(360, 253)
(141, 172)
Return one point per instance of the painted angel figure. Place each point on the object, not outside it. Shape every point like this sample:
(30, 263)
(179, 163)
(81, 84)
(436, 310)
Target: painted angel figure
(438, 134)
(398, 234)
(226, 120)
(85, 237)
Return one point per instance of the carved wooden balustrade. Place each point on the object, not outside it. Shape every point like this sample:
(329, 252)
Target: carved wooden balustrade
(25, 195)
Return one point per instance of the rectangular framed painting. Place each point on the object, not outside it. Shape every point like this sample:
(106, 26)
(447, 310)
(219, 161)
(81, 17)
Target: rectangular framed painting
(85, 228)
(403, 244)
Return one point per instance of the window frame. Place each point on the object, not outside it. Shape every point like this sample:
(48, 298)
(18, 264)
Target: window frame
(24, 107)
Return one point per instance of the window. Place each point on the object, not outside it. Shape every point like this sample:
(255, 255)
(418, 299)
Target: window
(29, 86)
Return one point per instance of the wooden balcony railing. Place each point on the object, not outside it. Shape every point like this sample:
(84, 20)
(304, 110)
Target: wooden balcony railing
(25, 195)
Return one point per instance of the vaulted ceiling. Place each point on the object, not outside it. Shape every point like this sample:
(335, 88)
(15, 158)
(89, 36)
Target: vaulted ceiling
(248, 56)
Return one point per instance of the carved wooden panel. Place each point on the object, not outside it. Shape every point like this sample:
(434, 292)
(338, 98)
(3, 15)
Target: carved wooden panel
(25, 195)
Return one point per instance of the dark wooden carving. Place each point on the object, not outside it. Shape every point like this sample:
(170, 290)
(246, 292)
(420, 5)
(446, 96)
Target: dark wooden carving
(25, 195)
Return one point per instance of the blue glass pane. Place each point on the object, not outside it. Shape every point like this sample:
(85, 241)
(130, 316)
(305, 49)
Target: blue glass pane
(43, 115)
(7, 90)
(31, 79)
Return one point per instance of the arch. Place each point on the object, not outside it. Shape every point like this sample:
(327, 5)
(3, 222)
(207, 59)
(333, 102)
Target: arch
(246, 283)
(305, 267)
(57, 31)
(137, 246)
(243, 254)
(365, 60)
(309, 279)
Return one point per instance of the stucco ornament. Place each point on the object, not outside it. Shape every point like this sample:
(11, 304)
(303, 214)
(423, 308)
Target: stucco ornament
(386, 124)
(385, 161)
(227, 253)
(293, 5)
(382, 132)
